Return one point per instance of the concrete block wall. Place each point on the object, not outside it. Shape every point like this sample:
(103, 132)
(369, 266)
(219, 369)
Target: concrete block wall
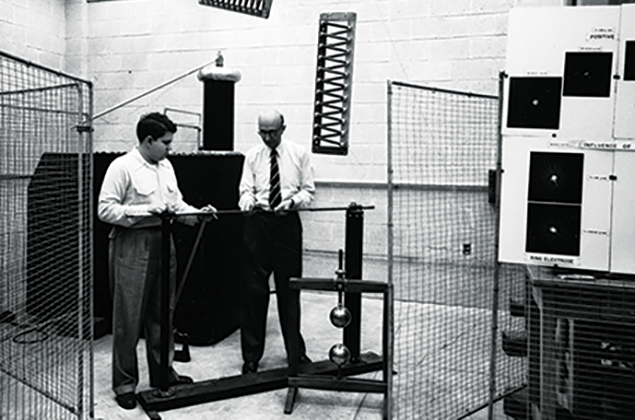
(326, 230)
(132, 46)
(34, 30)
(129, 47)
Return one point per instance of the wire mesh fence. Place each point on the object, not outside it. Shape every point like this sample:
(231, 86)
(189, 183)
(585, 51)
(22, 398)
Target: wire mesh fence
(442, 225)
(45, 243)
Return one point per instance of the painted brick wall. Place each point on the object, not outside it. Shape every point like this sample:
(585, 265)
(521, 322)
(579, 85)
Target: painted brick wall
(128, 47)
(131, 46)
(34, 30)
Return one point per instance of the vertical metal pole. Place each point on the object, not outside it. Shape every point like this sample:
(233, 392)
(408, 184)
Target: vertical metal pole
(294, 346)
(80, 262)
(387, 350)
(389, 355)
(165, 302)
(495, 291)
(353, 269)
(91, 227)
(293, 328)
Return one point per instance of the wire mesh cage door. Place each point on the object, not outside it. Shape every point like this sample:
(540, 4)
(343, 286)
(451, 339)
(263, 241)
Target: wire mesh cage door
(46, 321)
(442, 148)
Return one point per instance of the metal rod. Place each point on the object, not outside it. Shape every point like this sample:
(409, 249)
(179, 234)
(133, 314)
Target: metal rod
(40, 89)
(186, 272)
(41, 67)
(37, 109)
(146, 93)
(91, 234)
(454, 92)
(390, 313)
(81, 292)
(165, 304)
(335, 208)
(182, 111)
(349, 285)
(388, 356)
(9, 177)
(391, 187)
(238, 212)
(495, 291)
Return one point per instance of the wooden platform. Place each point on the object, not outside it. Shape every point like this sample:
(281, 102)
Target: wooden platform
(241, 385)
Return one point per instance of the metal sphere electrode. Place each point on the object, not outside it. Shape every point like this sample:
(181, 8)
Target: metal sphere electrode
(340, 316)
(339, 354)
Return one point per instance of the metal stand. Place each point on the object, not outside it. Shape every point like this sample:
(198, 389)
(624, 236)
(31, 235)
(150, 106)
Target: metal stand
(169, 398)
(164, 391)
(182, 355)
(353, 270)
(341, 355)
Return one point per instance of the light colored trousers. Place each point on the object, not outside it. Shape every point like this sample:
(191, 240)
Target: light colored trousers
(135, 280)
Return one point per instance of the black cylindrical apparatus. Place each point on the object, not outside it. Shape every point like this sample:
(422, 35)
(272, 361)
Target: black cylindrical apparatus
(218, 106)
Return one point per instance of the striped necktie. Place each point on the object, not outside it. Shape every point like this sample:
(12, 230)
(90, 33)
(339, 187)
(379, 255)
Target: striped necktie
(275, 196)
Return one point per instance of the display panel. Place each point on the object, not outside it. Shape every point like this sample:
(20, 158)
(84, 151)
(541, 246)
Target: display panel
(624, 120)
(534, 102)
(568, 139)
(555, 177)
(629, 61)
(587, 74)
(583, 53)
(556, 202)
(553, 229)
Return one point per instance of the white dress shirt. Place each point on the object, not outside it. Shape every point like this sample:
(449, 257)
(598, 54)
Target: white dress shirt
(132, 186)
(296, 176)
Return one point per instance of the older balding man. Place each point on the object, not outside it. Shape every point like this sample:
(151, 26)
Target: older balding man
(277, 178)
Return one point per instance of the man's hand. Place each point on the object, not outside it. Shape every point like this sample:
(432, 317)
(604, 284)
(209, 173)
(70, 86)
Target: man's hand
(284, 207)
(247, 205)
(157, 208)
(211, 212)
(192, 219)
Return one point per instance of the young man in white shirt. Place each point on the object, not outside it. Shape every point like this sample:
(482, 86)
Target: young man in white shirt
(137, 188)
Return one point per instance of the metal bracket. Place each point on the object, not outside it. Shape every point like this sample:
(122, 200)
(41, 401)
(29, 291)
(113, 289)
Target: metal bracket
(84, 128)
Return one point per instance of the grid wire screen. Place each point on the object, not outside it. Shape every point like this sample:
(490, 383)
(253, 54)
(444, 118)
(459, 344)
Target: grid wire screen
(581, 346)
(46, 244)
(442, 150)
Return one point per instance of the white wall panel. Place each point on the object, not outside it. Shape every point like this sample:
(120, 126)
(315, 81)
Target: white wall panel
(569, 139)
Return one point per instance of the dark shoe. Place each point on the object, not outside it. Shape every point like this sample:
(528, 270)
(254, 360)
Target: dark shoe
(127, 401)
(250, 367)
(180, 380)
(304, 360)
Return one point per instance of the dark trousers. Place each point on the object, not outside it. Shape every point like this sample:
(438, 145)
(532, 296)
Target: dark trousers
(272, 244)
